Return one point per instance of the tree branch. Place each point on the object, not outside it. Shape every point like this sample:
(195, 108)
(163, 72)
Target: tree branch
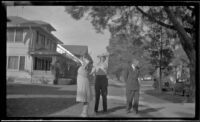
(190, 8)
(186, 40)
(151, 18)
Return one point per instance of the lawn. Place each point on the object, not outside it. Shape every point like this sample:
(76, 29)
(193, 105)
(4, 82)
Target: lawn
(37, 107)
(166, 96)
(36, 90)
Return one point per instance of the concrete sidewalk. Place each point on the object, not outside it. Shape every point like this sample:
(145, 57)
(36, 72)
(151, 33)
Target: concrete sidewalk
(117, 104)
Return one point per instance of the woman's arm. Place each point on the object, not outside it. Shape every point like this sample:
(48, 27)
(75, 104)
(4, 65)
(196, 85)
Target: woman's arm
(93, 71)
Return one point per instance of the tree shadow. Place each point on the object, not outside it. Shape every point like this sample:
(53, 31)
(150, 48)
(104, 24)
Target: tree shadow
(117, 86)
(113, 109)
(31, 89)
(37, 107)
(166, 96)
(146, 112)
(186, 115)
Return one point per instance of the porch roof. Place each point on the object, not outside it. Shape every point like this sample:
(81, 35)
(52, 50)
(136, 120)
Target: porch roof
(44, 52)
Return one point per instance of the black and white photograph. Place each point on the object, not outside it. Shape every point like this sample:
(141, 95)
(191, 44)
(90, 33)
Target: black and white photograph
(132, 62)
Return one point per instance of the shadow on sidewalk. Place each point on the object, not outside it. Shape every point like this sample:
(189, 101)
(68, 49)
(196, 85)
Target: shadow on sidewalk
(184, 114)
(116, 85)
(115, 109)
(148, 110)
(166, 96)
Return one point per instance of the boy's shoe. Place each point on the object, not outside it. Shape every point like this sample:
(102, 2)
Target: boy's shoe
(128, 111)
(135, 111)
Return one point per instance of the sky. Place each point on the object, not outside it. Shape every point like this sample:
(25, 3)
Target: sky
(68, 30)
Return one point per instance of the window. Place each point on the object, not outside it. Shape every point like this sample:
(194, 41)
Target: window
(52, 46)
(22, 63)
(37, 38)
(46, 43)
(40, 41)
(42, 63)
(19, 35)
(10, 35)
(16, 62)
(13, 62)
(55, 46)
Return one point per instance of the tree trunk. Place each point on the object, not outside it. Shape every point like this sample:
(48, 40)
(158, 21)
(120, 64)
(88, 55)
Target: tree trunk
(187, 43)
(192, 76)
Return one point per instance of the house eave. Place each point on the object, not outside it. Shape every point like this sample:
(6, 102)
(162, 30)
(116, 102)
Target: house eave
(36, 27)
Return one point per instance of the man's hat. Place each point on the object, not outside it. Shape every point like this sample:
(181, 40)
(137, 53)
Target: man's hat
(135, 61)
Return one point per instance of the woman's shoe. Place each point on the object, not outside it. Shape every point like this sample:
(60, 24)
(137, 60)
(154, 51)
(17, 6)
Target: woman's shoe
(84, 115)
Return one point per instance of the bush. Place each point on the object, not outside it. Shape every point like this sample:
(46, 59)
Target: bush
(10, 79)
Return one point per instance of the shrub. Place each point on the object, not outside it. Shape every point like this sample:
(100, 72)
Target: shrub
(10, 79)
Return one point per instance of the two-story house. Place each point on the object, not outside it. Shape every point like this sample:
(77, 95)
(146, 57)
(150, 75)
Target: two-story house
(31, 50)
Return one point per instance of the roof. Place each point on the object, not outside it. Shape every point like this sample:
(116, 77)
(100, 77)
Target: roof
(15, 20)
(77, 49)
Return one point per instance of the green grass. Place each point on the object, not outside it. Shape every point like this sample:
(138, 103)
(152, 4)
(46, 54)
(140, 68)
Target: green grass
(36, 90)
(37, 107)
(166, 96)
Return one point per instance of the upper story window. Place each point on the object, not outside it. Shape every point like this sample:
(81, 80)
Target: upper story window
(19, 35)
(14, 35)
(46, 43)
(52, 46)
(10, 35)
(40, 42)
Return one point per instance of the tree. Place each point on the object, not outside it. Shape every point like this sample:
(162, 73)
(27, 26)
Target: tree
(180, 19)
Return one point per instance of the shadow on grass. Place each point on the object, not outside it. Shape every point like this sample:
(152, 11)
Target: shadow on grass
(117, 86)
(166, 96)
(36, 90)
(148, 110)
(142, 113)
(37, 107)
(186, 115)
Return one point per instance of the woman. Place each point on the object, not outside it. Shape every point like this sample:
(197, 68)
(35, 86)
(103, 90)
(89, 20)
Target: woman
(83, 86)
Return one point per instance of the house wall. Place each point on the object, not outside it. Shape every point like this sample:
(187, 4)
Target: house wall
(20, 49)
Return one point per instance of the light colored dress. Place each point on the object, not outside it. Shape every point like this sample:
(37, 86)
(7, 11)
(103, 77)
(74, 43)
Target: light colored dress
(84, 93)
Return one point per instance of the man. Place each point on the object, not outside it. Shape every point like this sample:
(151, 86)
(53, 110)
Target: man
(101, 82)
(131, 76)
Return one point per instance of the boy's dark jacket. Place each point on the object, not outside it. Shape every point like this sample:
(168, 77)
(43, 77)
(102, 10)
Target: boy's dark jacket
(131, 78)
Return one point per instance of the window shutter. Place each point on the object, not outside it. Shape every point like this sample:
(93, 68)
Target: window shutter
(22, 63)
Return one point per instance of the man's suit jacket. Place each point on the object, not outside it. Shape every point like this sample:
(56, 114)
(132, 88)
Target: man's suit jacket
(131, 78)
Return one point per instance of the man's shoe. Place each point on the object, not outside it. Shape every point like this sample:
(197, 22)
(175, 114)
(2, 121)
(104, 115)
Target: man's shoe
(128, 111)
(84, 115)
(135, 111)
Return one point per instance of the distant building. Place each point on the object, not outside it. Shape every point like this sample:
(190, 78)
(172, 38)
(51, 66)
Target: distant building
(77, 50)
(31, 50)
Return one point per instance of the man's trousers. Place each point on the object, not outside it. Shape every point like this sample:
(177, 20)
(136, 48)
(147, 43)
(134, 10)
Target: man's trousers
(101, 84)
